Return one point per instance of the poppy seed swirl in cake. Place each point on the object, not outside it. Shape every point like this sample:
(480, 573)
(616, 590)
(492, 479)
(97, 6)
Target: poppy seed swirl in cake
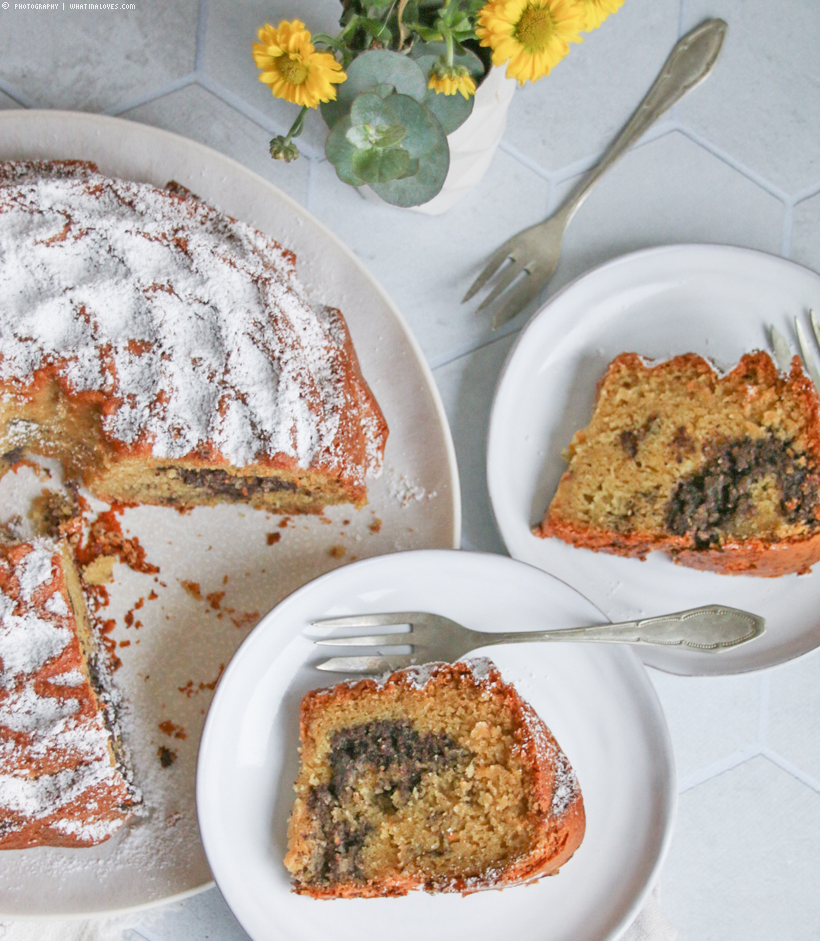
(166, 353)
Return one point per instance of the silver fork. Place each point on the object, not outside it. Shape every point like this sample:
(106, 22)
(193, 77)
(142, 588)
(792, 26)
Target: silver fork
(534, 253)
(433, 637)
(783, 353)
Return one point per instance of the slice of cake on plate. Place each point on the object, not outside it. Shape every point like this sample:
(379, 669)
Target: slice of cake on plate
(721, 471)
(63, 779)
(438, 778)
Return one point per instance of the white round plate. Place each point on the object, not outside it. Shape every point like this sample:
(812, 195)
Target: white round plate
(713, 300)
(222, 568)
(597, 700)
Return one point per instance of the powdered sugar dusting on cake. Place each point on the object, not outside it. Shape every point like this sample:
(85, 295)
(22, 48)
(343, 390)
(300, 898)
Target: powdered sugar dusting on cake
(192, 324)
(54, 751)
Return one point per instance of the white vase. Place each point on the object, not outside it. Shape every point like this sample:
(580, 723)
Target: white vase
(472, 145)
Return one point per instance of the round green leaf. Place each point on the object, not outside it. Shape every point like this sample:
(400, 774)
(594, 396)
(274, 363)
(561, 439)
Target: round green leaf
(368, 108)
(451, 110)
(434, 162)
(339, 151)
(374, 68)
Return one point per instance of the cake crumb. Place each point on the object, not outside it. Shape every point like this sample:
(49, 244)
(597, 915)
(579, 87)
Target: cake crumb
(193, 588)
(375, 526)
(167, 756)
(174, 731)
(337, 552)
(100, 571)
(273, 538)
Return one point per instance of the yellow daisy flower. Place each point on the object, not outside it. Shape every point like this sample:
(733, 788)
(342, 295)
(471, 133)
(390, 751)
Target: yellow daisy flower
(293, 68)
(596, 11)
(452, 80)
(532, 36)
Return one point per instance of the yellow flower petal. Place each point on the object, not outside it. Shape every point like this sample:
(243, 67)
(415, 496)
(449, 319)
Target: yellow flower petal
(291, 66)
(531, 36)
(596, 11)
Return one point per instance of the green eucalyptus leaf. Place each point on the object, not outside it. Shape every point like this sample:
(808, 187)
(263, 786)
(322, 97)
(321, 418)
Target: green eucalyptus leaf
(369, 108)
(412, 168)
(339, 151)
(373, 69)
(427, 143)
(378, 167)
(451, 110)
(383, 90)
(423, 130)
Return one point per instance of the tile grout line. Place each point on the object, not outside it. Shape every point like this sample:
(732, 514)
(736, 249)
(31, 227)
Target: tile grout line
(201, 26)
(736, 165)
(460, 352)
(17, 96)
(718, 767)
(176, 85)
(791, 769)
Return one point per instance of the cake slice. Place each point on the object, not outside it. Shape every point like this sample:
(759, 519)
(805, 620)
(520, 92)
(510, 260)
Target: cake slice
(62, 776)
(723, 472)
(438, 778)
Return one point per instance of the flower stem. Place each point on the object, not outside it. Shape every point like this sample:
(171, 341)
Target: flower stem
(298, 124)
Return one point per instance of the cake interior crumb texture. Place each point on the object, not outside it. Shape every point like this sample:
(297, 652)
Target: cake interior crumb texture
(63, 775)
(721, 471)
(166, 353)
(444, 780)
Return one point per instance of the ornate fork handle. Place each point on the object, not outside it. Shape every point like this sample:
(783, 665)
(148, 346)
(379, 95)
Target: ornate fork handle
(708, 628)
(688, 64)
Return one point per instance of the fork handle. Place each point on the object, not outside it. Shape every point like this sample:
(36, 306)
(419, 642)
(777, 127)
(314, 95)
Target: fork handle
(709, 629)
(688, 64)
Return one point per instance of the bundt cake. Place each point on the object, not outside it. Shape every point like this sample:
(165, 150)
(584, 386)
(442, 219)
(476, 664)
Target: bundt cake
(167, 354)
(723, 472)
(63, 780)
(438, 778)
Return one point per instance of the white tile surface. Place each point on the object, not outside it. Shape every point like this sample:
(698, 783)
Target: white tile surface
(467, 386)
(89, 60)
(794, 713)
(805, 243)
(669, 190)
(743, 860)
(578, 108)
(6, 102)
(760, 103)
(440, 255)
(204, 917)
(692, 704)
(196, 113)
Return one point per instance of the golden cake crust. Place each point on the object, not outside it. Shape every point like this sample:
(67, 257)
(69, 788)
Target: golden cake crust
(693, 412)
(555, 810)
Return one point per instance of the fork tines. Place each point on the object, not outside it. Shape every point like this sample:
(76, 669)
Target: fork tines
(783, 353)
(368, 664)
